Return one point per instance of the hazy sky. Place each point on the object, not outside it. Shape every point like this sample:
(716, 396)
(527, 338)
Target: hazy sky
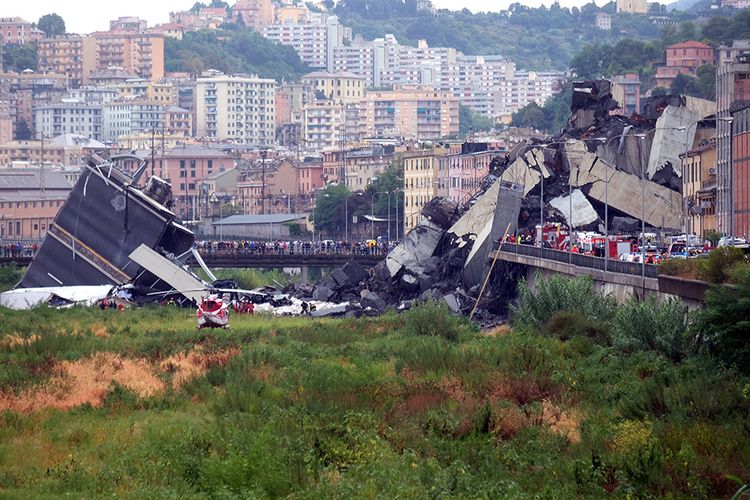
(85, 16)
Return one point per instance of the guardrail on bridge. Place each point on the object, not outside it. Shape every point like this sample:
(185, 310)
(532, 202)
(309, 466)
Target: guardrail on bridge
(580, 260)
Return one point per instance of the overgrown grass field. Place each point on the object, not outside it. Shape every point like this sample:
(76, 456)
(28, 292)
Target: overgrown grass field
(565, 404)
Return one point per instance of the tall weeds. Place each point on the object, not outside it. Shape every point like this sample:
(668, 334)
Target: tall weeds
(556, 294)
(641, 325)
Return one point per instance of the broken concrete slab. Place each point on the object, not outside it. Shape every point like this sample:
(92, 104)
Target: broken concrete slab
(355, 272)
(583, 212)
(372, 300)
(322, 293)
(452, 302)
(522, 174)
(675, 133)
(415, 249)
(180, 280)
(473, 221)
(507, 208)
(662, 205)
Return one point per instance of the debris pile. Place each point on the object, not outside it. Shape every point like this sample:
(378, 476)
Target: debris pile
(628, 168)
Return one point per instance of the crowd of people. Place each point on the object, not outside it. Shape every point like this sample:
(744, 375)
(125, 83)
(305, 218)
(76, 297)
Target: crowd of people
(14, 249)
(280, 247)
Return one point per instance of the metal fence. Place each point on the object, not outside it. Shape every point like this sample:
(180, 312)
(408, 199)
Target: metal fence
(580, 260)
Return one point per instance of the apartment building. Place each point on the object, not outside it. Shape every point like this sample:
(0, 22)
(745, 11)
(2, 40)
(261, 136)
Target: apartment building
(27, 210)
(272, 189)
(741, 171)
(626, 90)
(17, 31)
(92, 95)
(69, 116)
(409, 111)
(26, 91)
(58, 151)
(310, 176)
(314, 42)
(187, 168)
(603, 21)
(699, 187)
(467, 170)
(138, 52)
(131, 23)
(256, 14)
(236, 108)
(131, 117)
(356, 167)
(338, 87)
(732, 93)
(683, 58)
(63, 55)
(425, 177)
(161, 92)
(329, 124)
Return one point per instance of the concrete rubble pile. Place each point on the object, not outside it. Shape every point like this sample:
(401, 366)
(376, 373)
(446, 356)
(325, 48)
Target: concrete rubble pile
(446, 257)
(631, 165)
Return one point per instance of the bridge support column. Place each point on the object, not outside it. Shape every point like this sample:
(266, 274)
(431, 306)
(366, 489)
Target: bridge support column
(305, 274)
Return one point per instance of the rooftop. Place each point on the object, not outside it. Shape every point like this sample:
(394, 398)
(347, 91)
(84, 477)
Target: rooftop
(259, 219)
(28, 180)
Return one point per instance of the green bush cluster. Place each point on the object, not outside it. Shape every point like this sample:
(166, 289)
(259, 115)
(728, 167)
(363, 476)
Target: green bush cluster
(9, 277)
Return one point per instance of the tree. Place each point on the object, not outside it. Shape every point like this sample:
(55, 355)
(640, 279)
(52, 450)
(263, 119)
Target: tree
(329, 209)
(20, 57)
(471, 121)
(52, 25)
(23, 132)
(723, 325)
(530, 116)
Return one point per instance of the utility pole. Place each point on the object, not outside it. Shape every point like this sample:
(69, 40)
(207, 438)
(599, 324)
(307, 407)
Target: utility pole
(153, 151)
(263, 153)
(41, 167)
(161, 165)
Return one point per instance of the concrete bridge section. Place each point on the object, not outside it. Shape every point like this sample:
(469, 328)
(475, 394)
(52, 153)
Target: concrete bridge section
(621, 280)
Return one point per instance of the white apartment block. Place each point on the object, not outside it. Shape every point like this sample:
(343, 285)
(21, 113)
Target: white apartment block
(330, 124)
(131, 117)
(315, 43)
(236, 108)
(487, 84)
(93, 95)
(69, 117)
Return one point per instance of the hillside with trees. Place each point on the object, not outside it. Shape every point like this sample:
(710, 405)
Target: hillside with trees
(535, 38)
(240, 50)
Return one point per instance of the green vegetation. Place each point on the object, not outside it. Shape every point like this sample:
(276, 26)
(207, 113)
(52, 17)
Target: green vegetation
(9, 276)
(722, 265)
(52, 25)
(536, 38)
(18, 58)
(238, 50)
(470, 121)
(141, 404)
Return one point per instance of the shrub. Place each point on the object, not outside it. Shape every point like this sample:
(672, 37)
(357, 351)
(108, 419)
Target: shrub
(432, 319)
(536, 307)
(565, 325)
(723, 326)
(684, 268)
(717, 266)
(9, 276)
(639, 325)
